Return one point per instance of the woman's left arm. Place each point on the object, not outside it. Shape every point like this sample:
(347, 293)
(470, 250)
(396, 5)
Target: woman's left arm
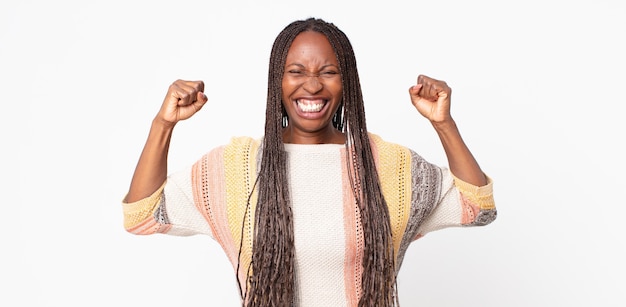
(431, 98)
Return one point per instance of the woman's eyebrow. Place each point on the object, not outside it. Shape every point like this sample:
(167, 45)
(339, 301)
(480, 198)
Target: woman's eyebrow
(302, 66)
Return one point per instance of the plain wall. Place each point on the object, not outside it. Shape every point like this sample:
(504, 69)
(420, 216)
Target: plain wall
(537, 94)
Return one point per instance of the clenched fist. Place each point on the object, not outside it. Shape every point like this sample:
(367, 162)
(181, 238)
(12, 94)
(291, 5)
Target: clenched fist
(183, 100)
(431, 98)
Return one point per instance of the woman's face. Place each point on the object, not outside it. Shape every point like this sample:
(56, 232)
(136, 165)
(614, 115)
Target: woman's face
(312, 90)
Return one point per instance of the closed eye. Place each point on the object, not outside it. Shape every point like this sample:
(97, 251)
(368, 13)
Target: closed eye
(329, 73)
(295, 72)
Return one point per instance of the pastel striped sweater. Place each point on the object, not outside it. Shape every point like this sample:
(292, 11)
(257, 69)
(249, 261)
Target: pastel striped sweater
(210, 198)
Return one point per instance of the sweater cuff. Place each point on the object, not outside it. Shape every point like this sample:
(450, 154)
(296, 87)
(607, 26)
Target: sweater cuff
(139, 211)
(481, 196)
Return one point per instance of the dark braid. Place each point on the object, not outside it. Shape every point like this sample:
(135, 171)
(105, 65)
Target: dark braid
(271, 279)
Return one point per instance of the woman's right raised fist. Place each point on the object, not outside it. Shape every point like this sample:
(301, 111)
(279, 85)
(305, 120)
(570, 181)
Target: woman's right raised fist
(183, 100)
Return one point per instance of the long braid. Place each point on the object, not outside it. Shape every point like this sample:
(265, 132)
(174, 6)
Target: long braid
(379, 274)
(271, 280)
(271, 277)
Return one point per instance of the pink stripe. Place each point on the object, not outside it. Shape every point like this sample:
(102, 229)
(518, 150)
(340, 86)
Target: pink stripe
(210, 198)
(469, 210)
(149, 226)
(353, 261)
(164, 228)
(200, 194)
(217, 182)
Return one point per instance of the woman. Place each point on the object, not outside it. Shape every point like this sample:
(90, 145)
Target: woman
(319, 212)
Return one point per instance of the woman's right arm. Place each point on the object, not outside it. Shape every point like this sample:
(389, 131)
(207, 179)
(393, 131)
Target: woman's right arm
(183, 100)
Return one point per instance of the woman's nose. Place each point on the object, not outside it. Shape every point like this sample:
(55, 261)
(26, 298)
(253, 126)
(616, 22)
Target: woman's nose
(312, 84)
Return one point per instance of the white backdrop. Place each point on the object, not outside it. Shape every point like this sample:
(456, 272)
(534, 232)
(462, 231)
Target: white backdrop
(537, 93)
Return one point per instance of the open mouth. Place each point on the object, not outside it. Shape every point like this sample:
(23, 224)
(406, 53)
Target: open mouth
(310, 105)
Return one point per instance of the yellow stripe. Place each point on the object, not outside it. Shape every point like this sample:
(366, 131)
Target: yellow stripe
(240, 173)
(141, 210)
(480, 196)
(394, 171)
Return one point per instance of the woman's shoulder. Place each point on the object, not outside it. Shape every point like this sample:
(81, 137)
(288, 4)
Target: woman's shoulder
(243, 145)
(244, 140)
(380, 143)
(236, 144)
(392, 150)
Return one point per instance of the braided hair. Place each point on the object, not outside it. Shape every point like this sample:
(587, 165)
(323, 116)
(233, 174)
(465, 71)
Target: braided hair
(270, 279)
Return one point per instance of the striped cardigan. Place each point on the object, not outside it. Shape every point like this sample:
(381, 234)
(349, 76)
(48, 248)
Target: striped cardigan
(210, 198)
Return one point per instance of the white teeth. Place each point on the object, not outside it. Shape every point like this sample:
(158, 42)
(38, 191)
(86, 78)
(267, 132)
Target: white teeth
(309, 106)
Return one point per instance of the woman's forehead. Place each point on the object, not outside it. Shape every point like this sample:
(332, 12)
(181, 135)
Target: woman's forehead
(311, 45)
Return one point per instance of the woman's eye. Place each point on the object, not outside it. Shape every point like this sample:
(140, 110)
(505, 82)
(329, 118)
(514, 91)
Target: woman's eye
(301, 73)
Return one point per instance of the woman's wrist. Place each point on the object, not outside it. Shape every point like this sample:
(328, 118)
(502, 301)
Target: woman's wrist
(162, 124)
(445, 126)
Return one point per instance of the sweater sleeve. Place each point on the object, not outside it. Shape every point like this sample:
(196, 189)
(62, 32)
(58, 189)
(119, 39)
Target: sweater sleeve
(170, 210)
(460, 204)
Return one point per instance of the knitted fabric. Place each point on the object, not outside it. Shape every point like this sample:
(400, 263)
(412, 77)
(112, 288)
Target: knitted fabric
(211, 198)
